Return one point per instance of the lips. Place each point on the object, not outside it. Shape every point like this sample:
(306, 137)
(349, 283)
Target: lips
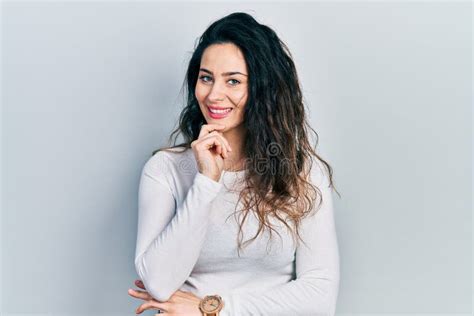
(218, 107)
(218, 112)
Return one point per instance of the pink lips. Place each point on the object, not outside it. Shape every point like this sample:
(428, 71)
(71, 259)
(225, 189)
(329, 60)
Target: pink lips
(218, 115)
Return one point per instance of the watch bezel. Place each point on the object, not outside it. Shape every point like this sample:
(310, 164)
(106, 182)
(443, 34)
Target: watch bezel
(217, 309)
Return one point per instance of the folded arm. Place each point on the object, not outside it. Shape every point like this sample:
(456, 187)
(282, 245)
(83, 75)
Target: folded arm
(170, 236)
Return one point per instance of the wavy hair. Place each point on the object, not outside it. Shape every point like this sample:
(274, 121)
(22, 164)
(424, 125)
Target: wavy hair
(275, 121)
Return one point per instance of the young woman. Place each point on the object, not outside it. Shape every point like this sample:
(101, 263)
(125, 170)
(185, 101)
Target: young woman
(246, 169)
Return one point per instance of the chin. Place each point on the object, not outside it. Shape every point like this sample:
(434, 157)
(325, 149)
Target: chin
(221, 122)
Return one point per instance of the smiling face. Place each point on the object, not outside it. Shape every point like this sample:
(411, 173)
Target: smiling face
(221, 88)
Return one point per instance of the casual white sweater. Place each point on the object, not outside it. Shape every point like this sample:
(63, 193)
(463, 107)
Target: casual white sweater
(187, 240)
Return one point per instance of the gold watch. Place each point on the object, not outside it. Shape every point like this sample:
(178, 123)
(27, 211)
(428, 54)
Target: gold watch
(211, 305)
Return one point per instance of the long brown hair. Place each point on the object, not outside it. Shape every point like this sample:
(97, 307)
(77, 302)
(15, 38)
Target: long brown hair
(275, 121)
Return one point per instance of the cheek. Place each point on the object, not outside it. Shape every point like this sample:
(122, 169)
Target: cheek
(239, 101)
(238, 98)
(200, 92)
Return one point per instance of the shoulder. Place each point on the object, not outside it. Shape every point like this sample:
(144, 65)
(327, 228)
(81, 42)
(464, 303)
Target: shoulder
(170, 161)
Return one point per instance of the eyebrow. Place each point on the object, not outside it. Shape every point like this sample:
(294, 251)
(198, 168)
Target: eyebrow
(230, 73)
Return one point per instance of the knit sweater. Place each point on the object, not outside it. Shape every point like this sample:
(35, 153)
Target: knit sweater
(187, 240)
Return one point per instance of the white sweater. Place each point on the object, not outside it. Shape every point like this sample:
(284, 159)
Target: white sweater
(185, 242)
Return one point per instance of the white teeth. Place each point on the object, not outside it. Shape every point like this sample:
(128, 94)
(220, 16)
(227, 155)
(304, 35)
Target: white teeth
(220, 111)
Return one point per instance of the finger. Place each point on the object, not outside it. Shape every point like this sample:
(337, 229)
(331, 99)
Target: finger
(225, 140)
(221, 138)
(214, 140)
(140, 294)
(208, 128)
(153, 304)
(214, 132)
(208, 142)
(219, 148)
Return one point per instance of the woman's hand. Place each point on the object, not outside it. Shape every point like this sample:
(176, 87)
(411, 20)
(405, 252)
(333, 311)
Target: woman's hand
(180, 303)
(210, 148)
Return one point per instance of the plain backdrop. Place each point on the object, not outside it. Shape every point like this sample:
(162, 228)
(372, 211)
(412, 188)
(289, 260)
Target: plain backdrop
(90, 89)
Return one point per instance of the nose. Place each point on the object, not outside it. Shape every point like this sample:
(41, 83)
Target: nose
(217, 93)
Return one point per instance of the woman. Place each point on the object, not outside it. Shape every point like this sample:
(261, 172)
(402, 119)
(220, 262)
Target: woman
(246, 168)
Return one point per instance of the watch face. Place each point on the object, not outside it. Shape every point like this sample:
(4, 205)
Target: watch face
(211, 304)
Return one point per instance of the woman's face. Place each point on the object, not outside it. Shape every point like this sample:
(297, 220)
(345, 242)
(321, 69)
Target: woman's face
(222, 85)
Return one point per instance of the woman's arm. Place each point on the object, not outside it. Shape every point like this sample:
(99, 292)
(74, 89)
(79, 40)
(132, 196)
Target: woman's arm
(170, 236)
(315, 290)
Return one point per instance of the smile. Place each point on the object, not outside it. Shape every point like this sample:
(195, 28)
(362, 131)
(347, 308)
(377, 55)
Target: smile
(218, 113)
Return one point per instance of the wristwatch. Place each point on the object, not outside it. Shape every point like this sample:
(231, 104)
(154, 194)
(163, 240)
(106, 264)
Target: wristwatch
(211, 305)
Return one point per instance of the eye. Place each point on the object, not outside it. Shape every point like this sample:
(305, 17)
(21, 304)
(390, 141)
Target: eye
(235, 80)
(203, 78)
(206, 79)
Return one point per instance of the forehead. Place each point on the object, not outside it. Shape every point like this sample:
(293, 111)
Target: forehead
(225, 57)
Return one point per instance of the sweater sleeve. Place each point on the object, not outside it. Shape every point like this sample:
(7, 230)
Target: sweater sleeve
(170, 236)
(315, 289)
